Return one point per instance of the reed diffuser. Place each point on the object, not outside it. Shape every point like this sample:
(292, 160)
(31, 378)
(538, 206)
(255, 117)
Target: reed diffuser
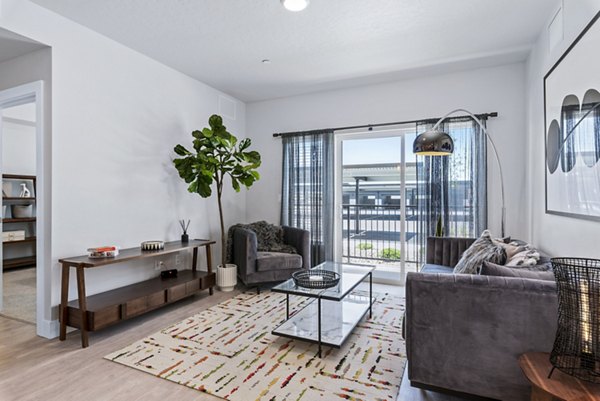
(184, 226)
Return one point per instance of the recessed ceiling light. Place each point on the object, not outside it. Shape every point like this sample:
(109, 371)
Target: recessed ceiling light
(266, 61)
(295, 5)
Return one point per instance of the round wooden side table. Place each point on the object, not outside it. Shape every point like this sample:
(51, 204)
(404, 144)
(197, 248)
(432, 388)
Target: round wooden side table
(536, 366)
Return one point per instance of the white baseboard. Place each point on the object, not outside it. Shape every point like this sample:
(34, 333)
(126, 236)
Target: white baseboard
(48, 329)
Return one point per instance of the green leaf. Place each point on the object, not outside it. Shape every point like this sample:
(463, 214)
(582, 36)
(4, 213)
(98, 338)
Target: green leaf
(207, 133)
(215, 121)
(181, 151)
(235, 183)
(245, 144)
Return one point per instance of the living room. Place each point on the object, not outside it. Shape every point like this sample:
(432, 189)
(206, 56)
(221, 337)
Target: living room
(118, 223)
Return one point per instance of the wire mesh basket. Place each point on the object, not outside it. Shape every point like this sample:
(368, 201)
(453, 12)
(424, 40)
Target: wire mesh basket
(576, 348)
(316, 278)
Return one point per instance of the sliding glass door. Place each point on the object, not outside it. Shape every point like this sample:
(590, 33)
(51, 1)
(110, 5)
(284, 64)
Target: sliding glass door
(376, 201)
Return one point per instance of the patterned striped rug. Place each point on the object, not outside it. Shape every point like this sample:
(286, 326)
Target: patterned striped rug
(228, 351)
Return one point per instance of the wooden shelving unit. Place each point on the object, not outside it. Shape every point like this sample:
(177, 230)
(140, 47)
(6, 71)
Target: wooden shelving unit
(28, 260)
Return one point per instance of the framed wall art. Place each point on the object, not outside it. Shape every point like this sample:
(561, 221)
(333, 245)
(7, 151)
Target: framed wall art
(572, 128)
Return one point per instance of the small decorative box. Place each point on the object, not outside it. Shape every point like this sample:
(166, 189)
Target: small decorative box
(153, 245)
(8, 236)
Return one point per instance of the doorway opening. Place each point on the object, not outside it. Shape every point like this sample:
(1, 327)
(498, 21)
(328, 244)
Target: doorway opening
(31, 229)
(18, 140)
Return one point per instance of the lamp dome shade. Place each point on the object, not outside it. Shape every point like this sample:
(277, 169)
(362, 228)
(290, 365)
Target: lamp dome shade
(295, 5)
(433, 143)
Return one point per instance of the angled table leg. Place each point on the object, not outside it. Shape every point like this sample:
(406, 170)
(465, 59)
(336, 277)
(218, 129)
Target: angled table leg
(319, 305)
(64, 298)
(82, 306)
(195, 259)
(209, 265)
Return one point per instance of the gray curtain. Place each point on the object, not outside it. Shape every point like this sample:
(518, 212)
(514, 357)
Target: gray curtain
(308, 189)
(452, 191)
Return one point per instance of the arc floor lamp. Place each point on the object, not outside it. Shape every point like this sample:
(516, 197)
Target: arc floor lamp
(435, 142)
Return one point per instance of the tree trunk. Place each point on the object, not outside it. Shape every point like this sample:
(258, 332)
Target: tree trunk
(223, 236)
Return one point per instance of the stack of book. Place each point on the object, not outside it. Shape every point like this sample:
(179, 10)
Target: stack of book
(103, 252)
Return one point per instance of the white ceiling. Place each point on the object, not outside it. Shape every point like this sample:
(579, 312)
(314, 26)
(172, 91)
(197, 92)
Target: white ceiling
(13, 45)
(331, 44)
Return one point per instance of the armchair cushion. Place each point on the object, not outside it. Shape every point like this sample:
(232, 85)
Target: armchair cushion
(266, 261)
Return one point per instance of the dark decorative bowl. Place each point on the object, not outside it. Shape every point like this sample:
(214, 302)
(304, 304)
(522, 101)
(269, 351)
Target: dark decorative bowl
(316, 279)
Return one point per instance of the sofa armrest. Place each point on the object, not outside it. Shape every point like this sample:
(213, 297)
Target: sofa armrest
(446, 251)
(299, 239)
(466, 332)
(244, 252)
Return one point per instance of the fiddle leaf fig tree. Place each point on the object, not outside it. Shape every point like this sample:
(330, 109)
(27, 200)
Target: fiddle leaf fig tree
(216, 155)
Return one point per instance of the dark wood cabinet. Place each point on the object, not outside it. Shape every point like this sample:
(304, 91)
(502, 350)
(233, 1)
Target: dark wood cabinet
(111, 307)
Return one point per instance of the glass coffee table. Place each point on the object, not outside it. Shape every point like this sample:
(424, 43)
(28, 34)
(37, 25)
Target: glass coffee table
(332, 314)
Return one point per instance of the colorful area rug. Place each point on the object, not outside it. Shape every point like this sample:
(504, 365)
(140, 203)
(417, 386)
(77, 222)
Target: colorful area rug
(228, 351)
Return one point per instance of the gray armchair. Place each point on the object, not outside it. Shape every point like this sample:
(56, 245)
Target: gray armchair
(255, 268)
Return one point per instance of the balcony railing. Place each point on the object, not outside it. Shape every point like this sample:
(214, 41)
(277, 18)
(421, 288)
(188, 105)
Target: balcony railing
(372, 232)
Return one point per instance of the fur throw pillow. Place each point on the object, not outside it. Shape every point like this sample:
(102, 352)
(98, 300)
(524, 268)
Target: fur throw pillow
(484, 249)
(525, 256)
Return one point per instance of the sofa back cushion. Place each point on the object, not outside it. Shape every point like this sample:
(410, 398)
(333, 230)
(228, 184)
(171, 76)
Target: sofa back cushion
(492, 269)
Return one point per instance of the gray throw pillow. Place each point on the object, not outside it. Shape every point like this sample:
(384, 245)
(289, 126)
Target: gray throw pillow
(482, 250)
(491, 269)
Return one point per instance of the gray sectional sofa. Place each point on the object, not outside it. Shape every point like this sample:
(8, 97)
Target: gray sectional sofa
(464, 333)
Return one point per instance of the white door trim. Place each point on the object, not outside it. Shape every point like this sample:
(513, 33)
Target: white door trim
(26, 93)
(338, 223)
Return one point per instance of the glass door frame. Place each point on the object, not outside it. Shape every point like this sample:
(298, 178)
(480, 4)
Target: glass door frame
(400, 131)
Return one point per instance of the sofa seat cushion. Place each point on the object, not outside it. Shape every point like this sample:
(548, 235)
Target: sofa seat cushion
(431, 268)
(269, 261)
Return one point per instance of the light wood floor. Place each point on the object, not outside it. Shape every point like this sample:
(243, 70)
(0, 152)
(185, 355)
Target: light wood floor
(33, 368)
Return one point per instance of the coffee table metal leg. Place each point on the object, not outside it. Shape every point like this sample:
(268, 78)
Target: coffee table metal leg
(287, 306)
(370, 295)
(319, 299)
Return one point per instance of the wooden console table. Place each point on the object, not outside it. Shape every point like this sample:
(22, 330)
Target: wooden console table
(536, 366)
(101, 310)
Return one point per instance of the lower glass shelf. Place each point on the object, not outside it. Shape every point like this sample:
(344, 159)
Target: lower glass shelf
(338, 319)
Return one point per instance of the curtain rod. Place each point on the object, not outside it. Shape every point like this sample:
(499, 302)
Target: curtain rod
(371, 126)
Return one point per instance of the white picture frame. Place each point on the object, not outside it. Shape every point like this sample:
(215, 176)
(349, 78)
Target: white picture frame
(572, 129)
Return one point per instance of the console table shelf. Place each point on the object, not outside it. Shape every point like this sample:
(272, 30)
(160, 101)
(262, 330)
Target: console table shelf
(110, 307)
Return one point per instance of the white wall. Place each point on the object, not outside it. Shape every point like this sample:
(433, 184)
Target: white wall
(116, 115)
(555, 235)
(500, 89)
(18, 139)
